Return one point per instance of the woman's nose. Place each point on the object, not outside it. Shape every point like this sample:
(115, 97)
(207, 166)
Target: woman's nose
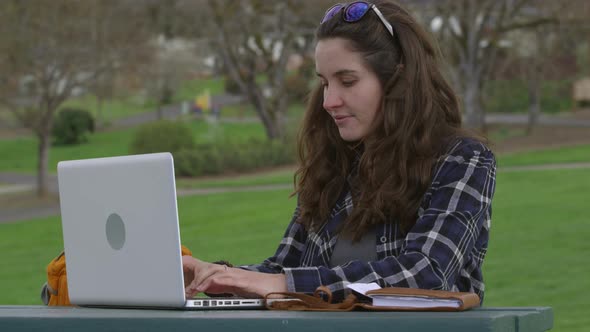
(332, 99)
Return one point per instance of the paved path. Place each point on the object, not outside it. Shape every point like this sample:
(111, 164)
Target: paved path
(52, 208)
(544, 120)
(175, 111)
(168, 112)
(24, 182)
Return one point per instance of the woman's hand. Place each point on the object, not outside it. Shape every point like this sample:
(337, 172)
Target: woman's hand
(195, 271)
(201, 276)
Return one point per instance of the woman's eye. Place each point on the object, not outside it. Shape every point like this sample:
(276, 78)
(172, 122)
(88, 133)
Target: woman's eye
(348, 83)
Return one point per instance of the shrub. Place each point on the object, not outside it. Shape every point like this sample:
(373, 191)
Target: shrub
(231, 86)
(202, 160)
(231, 157)
(511, 96)
(72, 126)
(162, 136)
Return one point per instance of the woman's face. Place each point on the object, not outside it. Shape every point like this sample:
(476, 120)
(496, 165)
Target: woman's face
(352, 92)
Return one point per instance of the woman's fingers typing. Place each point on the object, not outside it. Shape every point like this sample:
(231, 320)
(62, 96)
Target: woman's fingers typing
(195, 272)
(244, 283)
(217, 279)
(206, 272)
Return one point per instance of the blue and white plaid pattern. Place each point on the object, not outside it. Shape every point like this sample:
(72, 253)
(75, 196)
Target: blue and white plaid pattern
(444, 250)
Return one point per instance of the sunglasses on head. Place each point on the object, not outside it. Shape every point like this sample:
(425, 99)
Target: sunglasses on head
(354, 11)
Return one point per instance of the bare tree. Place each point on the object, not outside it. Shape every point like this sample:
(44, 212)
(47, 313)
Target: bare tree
(551, 42)
(254, 38)
(102, 87)
(573, 39)
(50, 51)
(472, 32)
(164, 72)
(534, 76)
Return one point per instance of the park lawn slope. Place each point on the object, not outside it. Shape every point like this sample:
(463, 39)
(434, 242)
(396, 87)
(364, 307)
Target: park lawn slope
(282, 175)
(538, 244)
(537, 253)
(20, 154)
(568, 154)
(240, 227)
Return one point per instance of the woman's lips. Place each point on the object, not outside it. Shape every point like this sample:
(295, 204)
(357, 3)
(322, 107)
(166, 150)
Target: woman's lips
(341, 119)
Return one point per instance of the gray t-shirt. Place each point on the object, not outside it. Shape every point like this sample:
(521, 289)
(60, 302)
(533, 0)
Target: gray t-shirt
(345, 250)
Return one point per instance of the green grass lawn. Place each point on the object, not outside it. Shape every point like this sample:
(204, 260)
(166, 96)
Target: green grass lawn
(537, 253)
(20, 154)
(125, 106)
(190, 89)
(112, 109)
(247, 110)
(279, 176)
(238, 227)
(210, 226)
(538, 245)
(571, 154)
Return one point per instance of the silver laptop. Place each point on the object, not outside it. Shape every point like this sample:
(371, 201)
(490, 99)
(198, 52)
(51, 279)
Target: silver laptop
(121, 234)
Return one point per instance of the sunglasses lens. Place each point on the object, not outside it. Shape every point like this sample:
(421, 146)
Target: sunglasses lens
(355, 11)
(331, 12)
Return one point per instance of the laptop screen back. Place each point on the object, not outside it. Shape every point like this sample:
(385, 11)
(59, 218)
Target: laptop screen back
(120, 231)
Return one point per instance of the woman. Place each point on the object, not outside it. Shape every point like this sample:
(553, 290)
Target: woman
(390, 188)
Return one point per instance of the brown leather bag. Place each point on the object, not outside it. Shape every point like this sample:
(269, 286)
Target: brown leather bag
(55, 291)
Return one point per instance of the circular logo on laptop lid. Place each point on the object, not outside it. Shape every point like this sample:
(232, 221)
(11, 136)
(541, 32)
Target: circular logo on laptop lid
(115, 231)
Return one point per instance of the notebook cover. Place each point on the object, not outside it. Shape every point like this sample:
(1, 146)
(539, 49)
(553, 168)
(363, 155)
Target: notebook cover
(467, 300)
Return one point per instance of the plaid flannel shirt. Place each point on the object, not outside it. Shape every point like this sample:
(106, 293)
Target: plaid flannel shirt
(444, 250)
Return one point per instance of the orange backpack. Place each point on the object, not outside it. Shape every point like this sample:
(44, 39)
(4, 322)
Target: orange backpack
(55, 291)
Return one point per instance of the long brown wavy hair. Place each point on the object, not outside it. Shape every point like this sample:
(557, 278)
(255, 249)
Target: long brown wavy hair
(418, 119)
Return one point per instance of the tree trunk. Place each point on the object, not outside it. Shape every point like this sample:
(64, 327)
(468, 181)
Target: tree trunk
(99, 116)
(276, 127)
(535, 77)
(472, 104)
(467, 78)
(160, 112)
(165, 99)
(271, 125)
(268, 109)
(42, 164)
(534, 98)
